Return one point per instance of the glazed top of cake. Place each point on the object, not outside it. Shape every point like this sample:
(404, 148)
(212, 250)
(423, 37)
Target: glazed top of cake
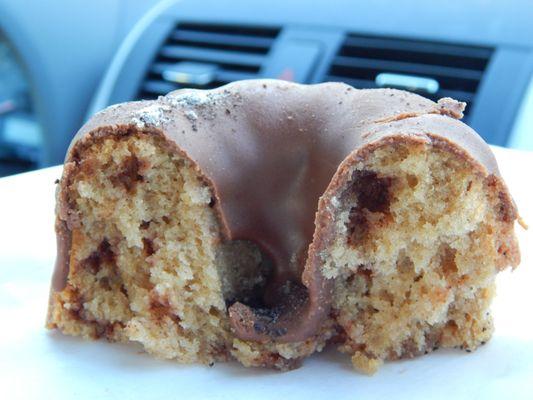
(269, 150)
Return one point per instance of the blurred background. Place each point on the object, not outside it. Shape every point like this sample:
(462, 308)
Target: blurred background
(63, 60)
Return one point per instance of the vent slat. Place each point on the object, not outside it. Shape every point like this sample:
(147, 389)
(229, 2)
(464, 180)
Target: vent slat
(207, 56)
(406, 67)
(357, 83)
(159, 88)
(417, 46)
(457, 70)
(249, 30)
(223, 74)
(230, 76)
(222, 41)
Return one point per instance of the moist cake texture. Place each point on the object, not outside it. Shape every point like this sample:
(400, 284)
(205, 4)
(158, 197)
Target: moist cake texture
(415, 254)
(263, 220)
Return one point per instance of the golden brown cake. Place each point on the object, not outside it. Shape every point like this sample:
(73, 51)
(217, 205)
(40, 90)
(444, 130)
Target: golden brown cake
(263, 220)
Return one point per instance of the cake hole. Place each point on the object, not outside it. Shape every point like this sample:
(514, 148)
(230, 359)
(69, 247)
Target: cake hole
(112, 327)
(358, 226)
(145, 225)
(105, 284)
(451, 326)
(148, 246)
(503, 250)
(387, 297)
(448, 265)
(159, 307)
(504, 211)
(361, 278)
(214, 312)
(432, 342)
(124, 291)
(412, 181)
(365, 273)
(404, 264)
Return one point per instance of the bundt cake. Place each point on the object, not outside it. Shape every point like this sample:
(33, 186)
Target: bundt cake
(263, 220)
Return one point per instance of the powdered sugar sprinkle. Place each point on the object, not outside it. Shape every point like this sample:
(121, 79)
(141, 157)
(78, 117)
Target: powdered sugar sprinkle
(195, 104)
(195, 98)
(152, 115)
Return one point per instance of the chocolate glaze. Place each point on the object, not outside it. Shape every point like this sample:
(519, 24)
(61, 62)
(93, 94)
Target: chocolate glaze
(269, 150)
(64, 241)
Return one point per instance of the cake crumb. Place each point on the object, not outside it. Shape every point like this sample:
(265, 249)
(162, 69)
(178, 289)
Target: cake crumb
(364, 364)
(451, 107)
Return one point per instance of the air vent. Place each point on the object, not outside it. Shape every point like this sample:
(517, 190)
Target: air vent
(206, 56)
(431, 69)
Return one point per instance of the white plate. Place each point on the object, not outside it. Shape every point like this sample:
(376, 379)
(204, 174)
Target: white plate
(37, 364)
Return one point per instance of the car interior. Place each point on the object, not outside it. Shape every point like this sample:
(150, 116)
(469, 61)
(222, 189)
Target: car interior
(56, 70)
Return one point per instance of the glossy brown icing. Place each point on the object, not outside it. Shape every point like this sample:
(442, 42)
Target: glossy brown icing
(269, 150)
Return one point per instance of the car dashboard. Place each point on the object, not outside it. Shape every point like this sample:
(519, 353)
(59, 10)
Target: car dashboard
(480, 53)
